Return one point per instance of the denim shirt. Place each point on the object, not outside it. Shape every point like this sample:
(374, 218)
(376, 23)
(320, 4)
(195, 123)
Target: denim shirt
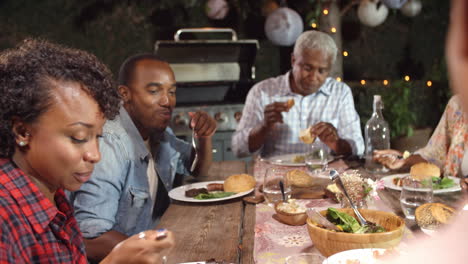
(117, 196)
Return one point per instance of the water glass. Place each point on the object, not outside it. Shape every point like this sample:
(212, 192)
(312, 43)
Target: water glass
(305, 258)
(271, 185)
(414, 193)
(316, 159)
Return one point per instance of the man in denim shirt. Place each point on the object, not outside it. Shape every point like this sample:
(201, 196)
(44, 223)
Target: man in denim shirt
(141, 158)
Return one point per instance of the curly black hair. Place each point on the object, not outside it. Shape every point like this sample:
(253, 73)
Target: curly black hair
(25, 83)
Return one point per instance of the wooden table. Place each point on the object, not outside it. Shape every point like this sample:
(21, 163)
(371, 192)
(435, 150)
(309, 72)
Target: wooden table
(219, 230)
(225, 230)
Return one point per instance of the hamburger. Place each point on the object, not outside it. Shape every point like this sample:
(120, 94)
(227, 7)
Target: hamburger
(239, 183)
(424, 170)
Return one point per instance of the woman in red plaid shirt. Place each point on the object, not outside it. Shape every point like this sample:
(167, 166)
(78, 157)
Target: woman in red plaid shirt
(53, 104)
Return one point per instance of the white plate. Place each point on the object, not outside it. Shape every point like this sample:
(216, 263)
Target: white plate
(364, 255)
(287, 160)
(388, 183)
(179, 193)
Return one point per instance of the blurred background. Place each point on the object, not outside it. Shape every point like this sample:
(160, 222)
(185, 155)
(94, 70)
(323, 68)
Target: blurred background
(398, 53)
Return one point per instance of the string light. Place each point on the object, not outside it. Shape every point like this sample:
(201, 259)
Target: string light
(429, 83)
(385, 82)
(338, 79)
(333, 29)
(407, 78)
(313, 25)
(325, 11)
(363, 82)
(345, 53)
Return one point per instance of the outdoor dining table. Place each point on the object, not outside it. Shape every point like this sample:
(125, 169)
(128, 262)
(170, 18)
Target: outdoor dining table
(238, 232)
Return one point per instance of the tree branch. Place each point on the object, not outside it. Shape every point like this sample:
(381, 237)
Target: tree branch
(348, 7)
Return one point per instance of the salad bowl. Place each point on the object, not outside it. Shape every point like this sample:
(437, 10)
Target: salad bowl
(329, 242)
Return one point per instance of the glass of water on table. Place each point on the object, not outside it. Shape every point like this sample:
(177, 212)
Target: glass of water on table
(316, 159)
(271, 185)
(414, 192)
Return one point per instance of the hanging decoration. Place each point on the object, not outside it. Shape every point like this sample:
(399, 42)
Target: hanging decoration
(395, 4)
(216, 9)
(283, 26)
(411, 8)
(372, 12)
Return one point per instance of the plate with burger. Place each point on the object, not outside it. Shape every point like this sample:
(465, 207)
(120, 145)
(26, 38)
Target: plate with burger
(423, 171)
(233, 187)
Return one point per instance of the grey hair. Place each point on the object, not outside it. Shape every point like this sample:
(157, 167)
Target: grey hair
(316, 40)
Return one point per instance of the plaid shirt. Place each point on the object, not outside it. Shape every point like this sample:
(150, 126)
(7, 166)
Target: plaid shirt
(33, 230)
(332, 103)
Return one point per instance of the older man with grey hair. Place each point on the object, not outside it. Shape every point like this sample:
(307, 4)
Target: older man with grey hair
(270, 126)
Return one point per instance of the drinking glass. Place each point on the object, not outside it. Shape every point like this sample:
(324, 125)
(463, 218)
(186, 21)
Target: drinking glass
(414, 193)
(316, 159)
(271, 185)
(305, 258)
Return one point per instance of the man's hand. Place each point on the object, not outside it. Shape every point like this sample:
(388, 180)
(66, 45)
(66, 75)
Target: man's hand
(390, 158)
(326, 132)
(203, 124)
(273, 112)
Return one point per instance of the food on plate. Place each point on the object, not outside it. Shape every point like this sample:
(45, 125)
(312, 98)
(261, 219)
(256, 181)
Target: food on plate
(424, 170)
(290, 104)
(291, 207)
(299, 178)
(213, 195)
(298, 159)
(215, 187)
(239, 183)
(437, 182)
(358, 188)
(306, 137)
(195, 191)
(433, 215)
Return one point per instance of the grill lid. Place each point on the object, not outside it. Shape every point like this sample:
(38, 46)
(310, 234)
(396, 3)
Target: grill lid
(209, 60)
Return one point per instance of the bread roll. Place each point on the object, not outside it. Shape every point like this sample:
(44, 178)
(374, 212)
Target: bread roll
(306, 136)
(239, 183)
(424, 170)
(290, 103)
(433, 215)
(299, 178)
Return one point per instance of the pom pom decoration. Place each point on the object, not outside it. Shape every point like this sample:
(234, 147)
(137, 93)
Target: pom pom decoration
(216, 9)
(395, 4)
(411, 8)
(283, 26)
(372, 12)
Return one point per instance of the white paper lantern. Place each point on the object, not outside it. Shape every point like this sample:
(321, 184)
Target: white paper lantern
(395, 4)
(283, 26)
(412, 8)
(372, 14)
(216, 9)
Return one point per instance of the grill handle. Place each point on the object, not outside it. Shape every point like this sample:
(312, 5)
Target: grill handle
(205, 30)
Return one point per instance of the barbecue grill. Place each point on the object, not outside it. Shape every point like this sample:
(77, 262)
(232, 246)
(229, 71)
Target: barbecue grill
(213, 75)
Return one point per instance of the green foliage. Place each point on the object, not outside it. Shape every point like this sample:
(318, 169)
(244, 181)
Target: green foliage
(397, 109)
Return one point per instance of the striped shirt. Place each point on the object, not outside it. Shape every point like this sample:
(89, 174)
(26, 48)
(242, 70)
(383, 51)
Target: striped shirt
(33, 230)
(332, 103)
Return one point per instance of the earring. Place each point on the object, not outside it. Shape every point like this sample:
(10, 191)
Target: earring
(22, 143)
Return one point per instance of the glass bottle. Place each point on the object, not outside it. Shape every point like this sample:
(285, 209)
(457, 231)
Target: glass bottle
(377, 136)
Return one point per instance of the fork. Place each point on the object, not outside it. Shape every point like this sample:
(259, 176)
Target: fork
(194, 145)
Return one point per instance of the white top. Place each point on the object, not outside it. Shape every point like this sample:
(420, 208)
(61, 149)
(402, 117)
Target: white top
(151, 173)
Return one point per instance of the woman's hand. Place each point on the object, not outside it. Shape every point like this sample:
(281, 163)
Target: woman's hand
(142, 248)
(390, 158)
